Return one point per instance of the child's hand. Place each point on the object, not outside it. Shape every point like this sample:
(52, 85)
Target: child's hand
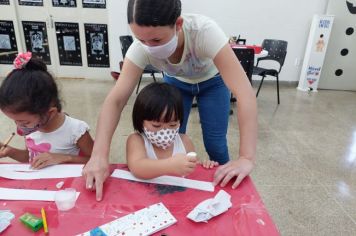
(183, 165)
(4, 152)
(208, 164)
(46, 159)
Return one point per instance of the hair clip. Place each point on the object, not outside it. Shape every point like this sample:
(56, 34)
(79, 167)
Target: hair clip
(22, 59)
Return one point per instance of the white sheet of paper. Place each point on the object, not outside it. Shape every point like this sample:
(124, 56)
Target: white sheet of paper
(146, 221)
(27, 194)
(168, 180)
(211, 207)
(23, 171)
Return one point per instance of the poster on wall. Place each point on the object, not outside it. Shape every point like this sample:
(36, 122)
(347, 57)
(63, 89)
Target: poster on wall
(8, 46)
(96, 36)
(315, 52)
(68, 42)
(94, 3)
(64, 3)
(31, 2)
(36, 39)
(4, 2)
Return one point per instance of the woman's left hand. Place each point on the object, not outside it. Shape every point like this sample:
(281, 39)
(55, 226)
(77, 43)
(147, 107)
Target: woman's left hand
(236, 168)
(46, 159)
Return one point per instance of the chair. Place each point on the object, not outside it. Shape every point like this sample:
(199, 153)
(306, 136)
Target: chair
(126, 41)
(277, 51)
(246, 57)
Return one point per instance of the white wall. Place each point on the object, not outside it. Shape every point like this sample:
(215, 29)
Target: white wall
(117, 26)
(254, 20)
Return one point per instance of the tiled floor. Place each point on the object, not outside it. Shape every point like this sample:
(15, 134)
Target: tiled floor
(306, 158)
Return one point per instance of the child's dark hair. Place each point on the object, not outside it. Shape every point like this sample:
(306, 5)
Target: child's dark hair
(153, 12)
(155, 100)
(30, 89)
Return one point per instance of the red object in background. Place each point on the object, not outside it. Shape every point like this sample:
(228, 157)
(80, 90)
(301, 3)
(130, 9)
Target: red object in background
(247, 216)
(115, 75)
(258, 49)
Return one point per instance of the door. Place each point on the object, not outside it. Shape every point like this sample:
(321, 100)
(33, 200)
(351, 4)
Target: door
(339, 66)
(69, 35)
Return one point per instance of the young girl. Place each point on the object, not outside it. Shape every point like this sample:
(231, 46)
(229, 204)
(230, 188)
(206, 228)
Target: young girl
(157, 148)
(29, 96)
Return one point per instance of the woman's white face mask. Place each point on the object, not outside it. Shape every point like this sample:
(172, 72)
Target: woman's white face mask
(163, 51)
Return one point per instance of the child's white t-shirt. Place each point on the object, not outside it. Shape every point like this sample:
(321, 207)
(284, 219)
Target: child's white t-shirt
(203, 39)
(178, 147)
(63, 140)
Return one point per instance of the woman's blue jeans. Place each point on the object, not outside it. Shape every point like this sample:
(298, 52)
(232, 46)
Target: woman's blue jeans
(213, 99)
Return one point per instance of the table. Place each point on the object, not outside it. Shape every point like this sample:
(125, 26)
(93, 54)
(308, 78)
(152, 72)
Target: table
(247, 216)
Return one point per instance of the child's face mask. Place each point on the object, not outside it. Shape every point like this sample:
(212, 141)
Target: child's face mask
(23, 131)
(162, 138)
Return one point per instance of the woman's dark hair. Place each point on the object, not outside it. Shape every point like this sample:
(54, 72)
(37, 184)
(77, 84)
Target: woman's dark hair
(30, 89)
(155, 100)
(153, 12)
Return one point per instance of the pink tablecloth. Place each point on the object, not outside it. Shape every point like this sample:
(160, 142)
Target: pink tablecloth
(247, 216)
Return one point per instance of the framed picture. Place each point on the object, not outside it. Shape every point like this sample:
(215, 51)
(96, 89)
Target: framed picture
(64, 3)
(94, 4)
(36, 39)
(31, 2)
(96, 37)
(4, 2)
(68, 42)
(8, 46)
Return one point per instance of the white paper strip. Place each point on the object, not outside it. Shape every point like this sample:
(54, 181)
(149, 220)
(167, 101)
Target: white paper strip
(168, 180)
(23, 171)
(27, 194)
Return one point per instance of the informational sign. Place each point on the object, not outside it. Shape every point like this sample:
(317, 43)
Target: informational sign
(68, 42)
(64, 3)
(96, 36)
(31, 2)
(315, 52)
(94, 3)
(36, 39)
(8, 46)
(4, 2)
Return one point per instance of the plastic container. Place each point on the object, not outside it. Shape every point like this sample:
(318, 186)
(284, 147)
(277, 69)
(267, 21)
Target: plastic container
(65, 199)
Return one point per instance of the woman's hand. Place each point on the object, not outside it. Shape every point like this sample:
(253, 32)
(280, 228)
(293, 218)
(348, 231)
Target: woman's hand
(95, 173)
(236, 168)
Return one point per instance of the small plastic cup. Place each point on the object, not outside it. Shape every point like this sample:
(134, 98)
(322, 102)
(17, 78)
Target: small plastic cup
(65, 199)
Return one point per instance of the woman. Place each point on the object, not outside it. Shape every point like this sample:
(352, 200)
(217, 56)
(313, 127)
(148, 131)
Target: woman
(195, 57)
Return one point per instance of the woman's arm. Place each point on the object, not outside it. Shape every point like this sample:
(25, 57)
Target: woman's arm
(97, 168)
(236, 80)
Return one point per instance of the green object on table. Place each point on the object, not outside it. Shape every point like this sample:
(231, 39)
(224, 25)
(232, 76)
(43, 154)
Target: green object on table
(31, 221)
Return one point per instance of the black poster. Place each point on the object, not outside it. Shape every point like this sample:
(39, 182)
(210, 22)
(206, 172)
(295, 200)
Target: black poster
(96, 36)
(4, 2)
(68, 42)
(31, 2)
(8, 46)
(64, 3)
(36, 39)
(94, 3)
